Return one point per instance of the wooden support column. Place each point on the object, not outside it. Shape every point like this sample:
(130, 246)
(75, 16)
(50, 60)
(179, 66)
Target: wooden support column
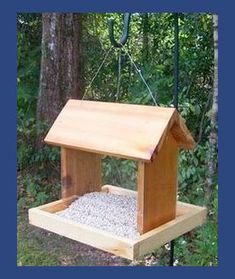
(80, 172)
(157, 187)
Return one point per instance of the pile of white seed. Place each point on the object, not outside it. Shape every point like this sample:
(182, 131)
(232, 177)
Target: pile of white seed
(116, 214)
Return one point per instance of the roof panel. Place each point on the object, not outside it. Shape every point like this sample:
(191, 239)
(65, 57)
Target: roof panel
(123, 130)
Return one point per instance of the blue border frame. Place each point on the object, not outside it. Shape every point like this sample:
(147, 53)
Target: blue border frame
(8, 131)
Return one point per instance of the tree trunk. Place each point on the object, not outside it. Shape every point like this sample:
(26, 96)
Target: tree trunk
(214, 114)
(61, 74)
(215, 95)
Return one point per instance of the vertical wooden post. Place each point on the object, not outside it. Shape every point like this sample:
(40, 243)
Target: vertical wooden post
(80, 172)
(157, 187)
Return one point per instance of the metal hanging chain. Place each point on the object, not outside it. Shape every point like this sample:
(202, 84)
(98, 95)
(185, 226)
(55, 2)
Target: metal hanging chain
(140, 74)
(121, 45)
(98, 70)
(119, 69)
(118, 88)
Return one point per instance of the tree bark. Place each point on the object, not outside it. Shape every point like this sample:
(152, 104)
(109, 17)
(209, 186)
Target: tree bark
(61, 74)
(214, 114)
(213, 141)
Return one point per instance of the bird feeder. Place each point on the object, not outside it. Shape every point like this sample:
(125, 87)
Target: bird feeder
(152, 136)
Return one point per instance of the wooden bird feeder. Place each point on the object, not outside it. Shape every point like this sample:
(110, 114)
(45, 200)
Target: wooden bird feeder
(152, 136)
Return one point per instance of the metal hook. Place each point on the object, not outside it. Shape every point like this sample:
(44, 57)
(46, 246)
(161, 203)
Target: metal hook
(125, 31)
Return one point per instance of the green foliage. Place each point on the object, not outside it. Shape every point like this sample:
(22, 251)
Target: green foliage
(28, 154)
(192, 174)
(28, 66)
(37, 189)
(202, 248)
(196, 58)
(28, 69)
(119, 172)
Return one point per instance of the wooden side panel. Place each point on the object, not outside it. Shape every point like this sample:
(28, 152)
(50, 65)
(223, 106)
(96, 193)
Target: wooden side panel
(157, 187)
(80, 172)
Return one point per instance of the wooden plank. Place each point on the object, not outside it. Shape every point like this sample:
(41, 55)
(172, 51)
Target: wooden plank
(188, 218)
(80, 172)
(118, 190)
(122, 130)
(58, 205)
(119, 246)
(157, 187)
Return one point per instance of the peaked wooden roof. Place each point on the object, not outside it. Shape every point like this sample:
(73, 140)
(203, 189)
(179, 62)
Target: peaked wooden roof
(123, 130)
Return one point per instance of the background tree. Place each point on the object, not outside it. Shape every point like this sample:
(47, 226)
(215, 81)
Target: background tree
(212, 150)
(61, 74)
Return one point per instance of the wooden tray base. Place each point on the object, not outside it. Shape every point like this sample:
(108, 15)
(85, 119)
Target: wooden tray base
(188, 217)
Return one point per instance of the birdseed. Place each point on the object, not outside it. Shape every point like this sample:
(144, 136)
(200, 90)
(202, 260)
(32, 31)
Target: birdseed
(112, 213)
